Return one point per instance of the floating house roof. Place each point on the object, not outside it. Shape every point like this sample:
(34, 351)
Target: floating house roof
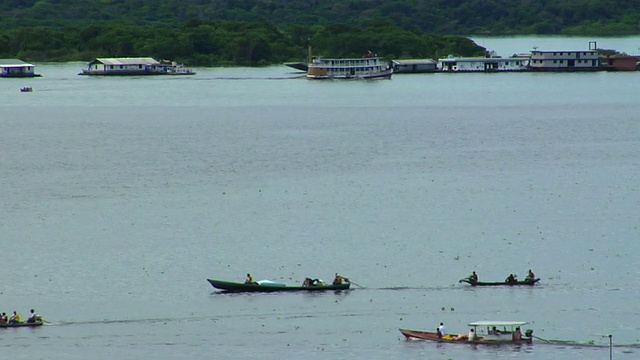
(413, 61)
(13, 63)
(127, 61)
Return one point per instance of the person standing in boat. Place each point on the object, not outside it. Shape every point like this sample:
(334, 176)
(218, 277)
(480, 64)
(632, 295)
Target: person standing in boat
(472, 335)
(442, 329)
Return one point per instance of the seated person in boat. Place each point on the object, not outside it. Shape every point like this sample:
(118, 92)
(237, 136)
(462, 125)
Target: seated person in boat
(249, 280)
(15, 318)
(517, 335)
(494, 331)
(473, 277)
(3, 318)
(32, 316)
(530, 275)
(339, 279)
(308, 282)
(511, 279)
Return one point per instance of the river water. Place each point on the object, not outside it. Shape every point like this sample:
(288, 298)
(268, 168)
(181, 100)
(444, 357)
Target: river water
(121, 196)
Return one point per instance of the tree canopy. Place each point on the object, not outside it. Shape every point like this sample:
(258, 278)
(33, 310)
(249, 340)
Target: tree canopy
(260, 32)
(447, 17)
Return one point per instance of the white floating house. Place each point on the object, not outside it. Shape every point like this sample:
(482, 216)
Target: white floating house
(134, 66)
(562, 60)
(481, 64)
(16, 68)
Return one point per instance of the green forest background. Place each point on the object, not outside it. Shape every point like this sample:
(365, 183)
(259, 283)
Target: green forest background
(262, 32)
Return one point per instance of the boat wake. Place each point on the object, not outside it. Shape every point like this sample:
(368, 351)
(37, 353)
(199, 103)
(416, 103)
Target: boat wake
(252, 78)
(572, 343)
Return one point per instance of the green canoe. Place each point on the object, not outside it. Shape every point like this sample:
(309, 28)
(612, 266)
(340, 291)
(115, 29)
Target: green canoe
(500, 283)
(273, 287)
(22, 324)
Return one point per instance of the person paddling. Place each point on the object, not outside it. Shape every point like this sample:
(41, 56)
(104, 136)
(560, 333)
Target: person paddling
(249, 279)
(15, 318)
(32, 316)
(339, 279)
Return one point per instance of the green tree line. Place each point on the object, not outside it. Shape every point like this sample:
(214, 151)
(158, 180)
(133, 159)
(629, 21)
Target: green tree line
(451, 17)
(207, 43)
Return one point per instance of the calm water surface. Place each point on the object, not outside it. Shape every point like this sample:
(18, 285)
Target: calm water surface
(120, 196)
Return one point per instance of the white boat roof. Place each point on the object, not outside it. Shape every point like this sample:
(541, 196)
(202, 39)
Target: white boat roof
(413, 61)
(498, 323)
(128, 61)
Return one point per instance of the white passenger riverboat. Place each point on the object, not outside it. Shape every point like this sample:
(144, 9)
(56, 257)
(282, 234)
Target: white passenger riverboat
(367, 67)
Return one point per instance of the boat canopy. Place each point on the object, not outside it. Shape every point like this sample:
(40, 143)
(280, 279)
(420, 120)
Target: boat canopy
(498, 323)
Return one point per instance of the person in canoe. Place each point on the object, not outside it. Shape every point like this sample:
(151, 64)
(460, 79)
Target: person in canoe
(339, 279)
(249, 280)
(473, 277)
(511, 279)
(15, 318)
(33, 317)
(3, 318)
(530, 275)
(312, 282)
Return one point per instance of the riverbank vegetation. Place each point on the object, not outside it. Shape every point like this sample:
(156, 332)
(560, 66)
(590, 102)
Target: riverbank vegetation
(220, 43)
(257, 32)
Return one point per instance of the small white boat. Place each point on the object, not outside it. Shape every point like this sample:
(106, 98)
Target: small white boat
(367, 67)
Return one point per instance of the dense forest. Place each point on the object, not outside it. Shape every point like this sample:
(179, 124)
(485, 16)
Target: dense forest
(226, 43)
(451, 17)
(259, 32)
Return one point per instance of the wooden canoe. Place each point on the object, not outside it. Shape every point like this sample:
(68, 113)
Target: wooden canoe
(242, 287)
(500, 283)
(504, 335)
(22, 324)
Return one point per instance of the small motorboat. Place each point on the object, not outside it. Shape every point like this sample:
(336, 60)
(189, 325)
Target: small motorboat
(26, 89)
(496, 332)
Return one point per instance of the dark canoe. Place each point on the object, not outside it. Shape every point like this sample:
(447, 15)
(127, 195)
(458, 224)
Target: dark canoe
(500, 283)
(242, 287)
(22, 324)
